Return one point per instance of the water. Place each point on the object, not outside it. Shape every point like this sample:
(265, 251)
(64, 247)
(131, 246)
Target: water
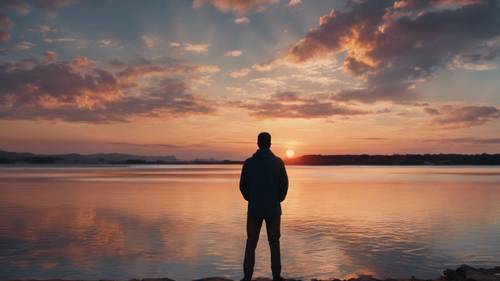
(188, 222)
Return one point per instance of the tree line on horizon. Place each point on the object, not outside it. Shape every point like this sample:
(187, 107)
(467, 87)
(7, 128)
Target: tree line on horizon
(347, 159)
(398, 159)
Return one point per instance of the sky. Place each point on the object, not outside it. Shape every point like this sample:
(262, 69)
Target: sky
(200, 79)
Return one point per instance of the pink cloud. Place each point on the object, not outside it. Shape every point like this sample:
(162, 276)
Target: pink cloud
(450, 116)
(295, 105)
(78, 91)
(236, 6)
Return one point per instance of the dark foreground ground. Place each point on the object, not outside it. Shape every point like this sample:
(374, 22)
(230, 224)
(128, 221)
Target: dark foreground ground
(462, 273)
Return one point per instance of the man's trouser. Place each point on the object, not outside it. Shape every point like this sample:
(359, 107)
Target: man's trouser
(254, 223)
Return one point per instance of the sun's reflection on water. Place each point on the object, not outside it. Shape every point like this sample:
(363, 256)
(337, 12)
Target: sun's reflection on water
(186, 222)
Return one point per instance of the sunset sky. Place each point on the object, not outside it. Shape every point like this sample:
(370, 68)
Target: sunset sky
(200, 79)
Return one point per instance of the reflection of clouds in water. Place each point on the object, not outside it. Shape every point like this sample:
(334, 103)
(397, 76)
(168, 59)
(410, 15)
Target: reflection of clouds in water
(383, 222)
(391, 230)
(389, 249)
(93, 243)
(82, 241)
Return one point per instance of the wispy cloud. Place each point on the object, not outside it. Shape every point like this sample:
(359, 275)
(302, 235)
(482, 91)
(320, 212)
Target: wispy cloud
(191, 47)
(242, 20)
(450, 116)
(371, 139)
(23, 46)
(295, 105)
(24, 7)
(197, 48)
(21, 8)
(239, 73)
(53, 4)
(153, 145)
(149, 41)
(41, 29)
(233, 53)
(466, 140)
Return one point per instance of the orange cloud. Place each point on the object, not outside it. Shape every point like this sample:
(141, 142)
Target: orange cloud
(391, 47)
(235, 6)
(50, 55)
(78, 91)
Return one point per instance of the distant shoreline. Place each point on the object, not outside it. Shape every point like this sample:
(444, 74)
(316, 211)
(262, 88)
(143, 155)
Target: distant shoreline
(16, 158)
(398, 160)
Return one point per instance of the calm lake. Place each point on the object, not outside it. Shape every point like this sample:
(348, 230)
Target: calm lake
(188, 221)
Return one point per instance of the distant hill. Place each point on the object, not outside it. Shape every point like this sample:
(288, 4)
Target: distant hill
(73, 158)
(398, 159)
(98, 159)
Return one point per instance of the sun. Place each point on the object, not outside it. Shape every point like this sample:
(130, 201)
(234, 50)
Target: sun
(290, 153)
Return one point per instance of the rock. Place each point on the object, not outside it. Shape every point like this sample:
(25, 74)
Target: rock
(267, 279)
(469, 273)
(478, 276)
(367, 278)
(462, 273)
(213, 279)
(463, 269)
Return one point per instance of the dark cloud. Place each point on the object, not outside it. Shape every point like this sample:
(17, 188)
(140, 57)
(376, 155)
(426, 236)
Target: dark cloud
(392, 45)
(236, 6)
(294, 105)
(431, 111)
(449, 116)
(419, 5)
(78, 91)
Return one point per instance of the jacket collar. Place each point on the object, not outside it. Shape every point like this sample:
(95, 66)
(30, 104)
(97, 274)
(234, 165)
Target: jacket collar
(263, 153)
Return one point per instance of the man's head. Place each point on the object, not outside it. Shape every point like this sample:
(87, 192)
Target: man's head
(264, 140)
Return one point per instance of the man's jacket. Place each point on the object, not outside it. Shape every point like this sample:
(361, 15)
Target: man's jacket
(264, 183)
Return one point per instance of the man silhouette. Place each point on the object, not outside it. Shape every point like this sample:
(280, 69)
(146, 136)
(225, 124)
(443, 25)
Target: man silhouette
(264, 184)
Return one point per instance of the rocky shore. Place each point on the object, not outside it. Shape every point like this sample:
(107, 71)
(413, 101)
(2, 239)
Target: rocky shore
(462, 273)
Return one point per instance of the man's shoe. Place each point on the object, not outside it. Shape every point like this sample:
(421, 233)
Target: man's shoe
(279, 279)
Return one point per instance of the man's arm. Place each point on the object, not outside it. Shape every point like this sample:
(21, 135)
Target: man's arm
(244, 185)
(283, 182)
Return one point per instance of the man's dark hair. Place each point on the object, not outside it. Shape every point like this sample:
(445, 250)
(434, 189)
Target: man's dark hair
(264, 140)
